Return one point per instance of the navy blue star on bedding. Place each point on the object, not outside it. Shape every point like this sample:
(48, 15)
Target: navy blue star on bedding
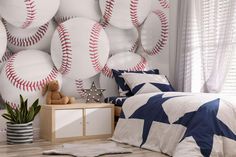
(198, 130)
(155, 112)
(179, 124)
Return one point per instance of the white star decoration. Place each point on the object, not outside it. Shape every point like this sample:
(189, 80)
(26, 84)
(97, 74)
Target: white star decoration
(93, 94)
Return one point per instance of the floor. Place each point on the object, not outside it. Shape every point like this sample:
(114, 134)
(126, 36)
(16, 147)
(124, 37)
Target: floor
(35, 150)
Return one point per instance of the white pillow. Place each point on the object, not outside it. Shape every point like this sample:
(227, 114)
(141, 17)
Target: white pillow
(147, 83)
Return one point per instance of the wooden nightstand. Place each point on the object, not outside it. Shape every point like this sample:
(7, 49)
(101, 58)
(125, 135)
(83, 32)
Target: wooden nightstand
(59, 123)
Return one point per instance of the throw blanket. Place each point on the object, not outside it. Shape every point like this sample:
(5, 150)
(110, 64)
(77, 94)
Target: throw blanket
(88, 150)
(179, 124)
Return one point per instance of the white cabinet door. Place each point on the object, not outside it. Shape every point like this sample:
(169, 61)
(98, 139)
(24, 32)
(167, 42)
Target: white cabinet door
(68, 123)
(98, 121)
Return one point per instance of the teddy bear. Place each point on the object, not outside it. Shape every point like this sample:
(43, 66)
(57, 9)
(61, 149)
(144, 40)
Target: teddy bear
(54, 96)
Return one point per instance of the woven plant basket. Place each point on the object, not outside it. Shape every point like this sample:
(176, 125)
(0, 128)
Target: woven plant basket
(19, 133)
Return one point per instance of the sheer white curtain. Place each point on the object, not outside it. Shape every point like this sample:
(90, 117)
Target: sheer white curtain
(206, 44)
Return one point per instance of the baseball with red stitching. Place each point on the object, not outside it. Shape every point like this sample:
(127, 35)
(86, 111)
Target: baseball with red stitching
(160, 4)
(33, 38)
(28, 13)
(78, 8)
(120, 61)
(3, 39)
(26, 73)
(154, 32)
(74, 87)
(122, 40)
(79, 48)
(125, 14)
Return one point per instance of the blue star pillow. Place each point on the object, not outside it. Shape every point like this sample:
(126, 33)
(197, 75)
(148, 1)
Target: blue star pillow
(124, 89)
(147, 83)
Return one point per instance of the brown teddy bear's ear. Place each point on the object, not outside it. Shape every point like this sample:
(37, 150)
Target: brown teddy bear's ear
(44, 89)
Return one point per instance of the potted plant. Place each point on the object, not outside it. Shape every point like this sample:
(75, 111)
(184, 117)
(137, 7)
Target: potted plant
(20, 121)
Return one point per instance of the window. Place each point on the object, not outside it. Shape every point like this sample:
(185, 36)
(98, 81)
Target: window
(207, 46)
(214, 24)
(229, 86)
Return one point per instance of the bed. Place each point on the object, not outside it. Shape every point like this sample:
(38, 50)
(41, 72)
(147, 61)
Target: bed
(118, 103)
(179, 124)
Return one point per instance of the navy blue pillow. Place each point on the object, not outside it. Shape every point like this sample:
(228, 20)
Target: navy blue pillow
(124, 89)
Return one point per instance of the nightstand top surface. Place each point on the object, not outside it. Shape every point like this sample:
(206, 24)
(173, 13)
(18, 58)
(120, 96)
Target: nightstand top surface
(77, 105)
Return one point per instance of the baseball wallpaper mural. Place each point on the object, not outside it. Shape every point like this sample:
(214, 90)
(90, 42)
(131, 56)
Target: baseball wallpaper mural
(78, 42)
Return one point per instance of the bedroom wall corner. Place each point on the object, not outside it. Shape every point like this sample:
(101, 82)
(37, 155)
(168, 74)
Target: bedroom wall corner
(172, 42)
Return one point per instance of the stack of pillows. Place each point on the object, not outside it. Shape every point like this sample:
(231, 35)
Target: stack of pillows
(139, 82)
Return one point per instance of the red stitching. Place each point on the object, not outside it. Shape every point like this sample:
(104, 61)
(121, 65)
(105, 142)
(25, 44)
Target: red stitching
(164, 3)
(104, 24)
(66, 49)
(27, 41)
(26, 85)
(135, 45)
(140, 66)
(134, 12)
(107, 71)
(31, 12)
(12, 104)
(164, 34)
(6, 56)
(109, 5)
(93, 46)
(79, 87)
(62, 19)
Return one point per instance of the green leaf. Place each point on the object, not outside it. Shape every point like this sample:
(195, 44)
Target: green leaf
(11, 112)
(36, 111)
(22, 109)
(7, 116)
(22, 114)
(26, 104)
(18, 117)
(21, 103)
(35, 104)
(30, 115)
(25, 110)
